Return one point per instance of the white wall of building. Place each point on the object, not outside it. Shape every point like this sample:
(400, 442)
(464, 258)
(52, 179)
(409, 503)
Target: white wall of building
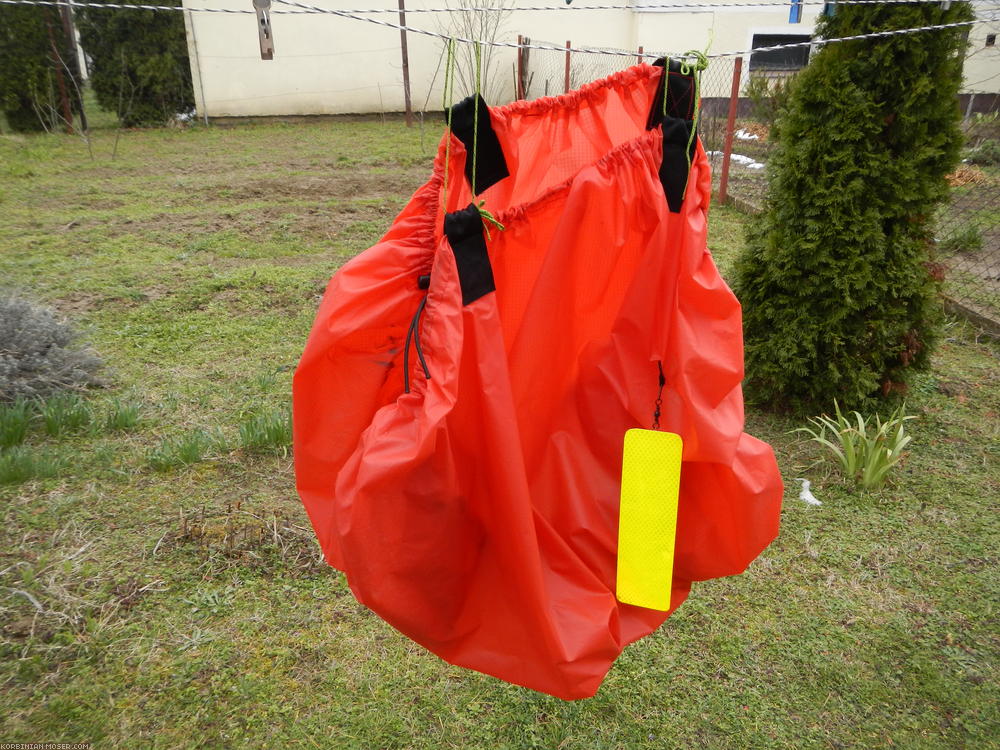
(325, 64)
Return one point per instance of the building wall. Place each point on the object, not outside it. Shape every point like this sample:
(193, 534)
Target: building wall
(324, 64)
(982, 67)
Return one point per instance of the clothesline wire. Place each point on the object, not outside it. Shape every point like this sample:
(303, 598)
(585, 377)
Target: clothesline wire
(305, 8)
(753, 4)
(625, 53)
(782, 5)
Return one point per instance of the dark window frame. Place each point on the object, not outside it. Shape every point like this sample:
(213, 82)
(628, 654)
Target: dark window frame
(794, 58)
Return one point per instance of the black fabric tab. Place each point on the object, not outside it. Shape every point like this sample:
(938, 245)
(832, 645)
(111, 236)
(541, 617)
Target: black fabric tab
(464, 230)
(491, 166)
(674, 167)
(679, 93)
(677, 124)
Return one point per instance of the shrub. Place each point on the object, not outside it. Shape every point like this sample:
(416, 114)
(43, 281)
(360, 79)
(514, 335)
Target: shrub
(968, 240)
(29, 94)
(836, 281)
(139, 63)
(39, 353)
(986, 154)
(768, 97)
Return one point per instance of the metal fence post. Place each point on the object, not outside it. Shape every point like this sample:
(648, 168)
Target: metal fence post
(639, 59)
(566, 85)
(727, 148)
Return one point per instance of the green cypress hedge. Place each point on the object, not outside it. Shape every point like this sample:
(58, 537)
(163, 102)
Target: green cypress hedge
(838, 284)
(29, 95)
(139, 63)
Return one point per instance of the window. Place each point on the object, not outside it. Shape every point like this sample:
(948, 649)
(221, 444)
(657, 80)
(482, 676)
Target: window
(792, 58)
(991, 40)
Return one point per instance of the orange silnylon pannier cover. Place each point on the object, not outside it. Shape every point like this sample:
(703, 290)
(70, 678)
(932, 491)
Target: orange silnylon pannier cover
(478, 512)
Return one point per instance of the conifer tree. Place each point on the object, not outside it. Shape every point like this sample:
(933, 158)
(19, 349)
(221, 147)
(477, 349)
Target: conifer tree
(34, 53)
(139, 62)
(839, 291)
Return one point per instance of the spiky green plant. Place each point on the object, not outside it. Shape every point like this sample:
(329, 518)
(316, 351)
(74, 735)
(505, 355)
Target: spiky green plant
(65, 412)
(22, 463)
(867, 448)
(189, 448)
(122, 416)
(15, 418)
(267, 432)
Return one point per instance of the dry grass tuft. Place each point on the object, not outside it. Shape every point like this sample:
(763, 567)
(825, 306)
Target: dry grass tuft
(966, 174)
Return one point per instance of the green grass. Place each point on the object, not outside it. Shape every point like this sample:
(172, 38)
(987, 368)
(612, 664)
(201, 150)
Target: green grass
(184, 450)
(15, 419)
(23, 463)
(270, 432)
(189, 607)
(123, 415)
(65, 412)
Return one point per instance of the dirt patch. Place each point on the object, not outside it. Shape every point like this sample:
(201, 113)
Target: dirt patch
(318, 188)
(316, 222)
(312, 222)
(75, 304)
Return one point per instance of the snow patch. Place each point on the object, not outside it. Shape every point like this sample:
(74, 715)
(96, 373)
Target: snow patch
(746, 161)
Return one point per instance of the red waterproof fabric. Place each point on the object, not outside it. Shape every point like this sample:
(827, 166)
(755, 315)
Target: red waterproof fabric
(478, 513)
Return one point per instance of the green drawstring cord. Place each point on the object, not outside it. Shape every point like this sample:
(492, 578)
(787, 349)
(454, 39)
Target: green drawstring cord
(488, 217)
(449, 90)
(691, 68)
(475, 117)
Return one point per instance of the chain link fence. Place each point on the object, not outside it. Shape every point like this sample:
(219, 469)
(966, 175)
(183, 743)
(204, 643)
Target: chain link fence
(968, 226)
(740, 103)
(544, 72)
(744, 122)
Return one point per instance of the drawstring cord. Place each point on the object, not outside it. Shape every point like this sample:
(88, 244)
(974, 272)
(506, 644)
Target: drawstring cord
(413, 334)
(488, 217)
(448, 96)
(693, 69)
(475, 117)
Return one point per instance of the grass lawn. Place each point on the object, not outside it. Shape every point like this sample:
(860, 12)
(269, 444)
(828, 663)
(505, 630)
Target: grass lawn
(151, 599)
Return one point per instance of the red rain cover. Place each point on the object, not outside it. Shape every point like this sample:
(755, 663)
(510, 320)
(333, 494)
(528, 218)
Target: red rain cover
(477, 513)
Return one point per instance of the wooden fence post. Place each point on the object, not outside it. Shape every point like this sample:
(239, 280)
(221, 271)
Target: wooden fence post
(519, 82)
(727, 148)
(566, 84)
(406, 64)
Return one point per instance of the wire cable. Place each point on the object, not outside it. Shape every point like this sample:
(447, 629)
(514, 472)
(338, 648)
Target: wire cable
(627, 53)
(463, 9)
(306, 8)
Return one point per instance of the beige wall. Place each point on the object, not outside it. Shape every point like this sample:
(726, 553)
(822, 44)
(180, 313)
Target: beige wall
(324, 64)
(982, 63)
